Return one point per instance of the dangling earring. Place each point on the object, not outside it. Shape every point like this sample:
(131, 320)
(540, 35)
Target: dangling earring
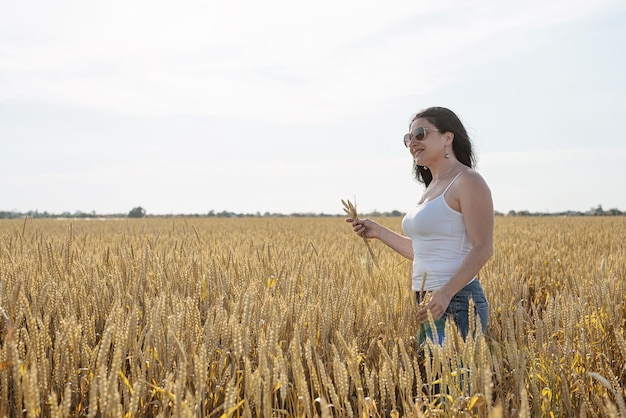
(447, 155)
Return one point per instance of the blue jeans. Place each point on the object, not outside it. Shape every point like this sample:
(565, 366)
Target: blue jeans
(458, 311)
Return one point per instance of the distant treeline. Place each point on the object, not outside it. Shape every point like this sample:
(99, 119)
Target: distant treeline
(598, 211)
(139, 212)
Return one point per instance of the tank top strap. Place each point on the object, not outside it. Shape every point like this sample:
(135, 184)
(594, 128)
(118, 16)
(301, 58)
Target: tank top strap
(451, 183)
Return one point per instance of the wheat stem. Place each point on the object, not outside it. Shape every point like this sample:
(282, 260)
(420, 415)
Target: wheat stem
(350, 210)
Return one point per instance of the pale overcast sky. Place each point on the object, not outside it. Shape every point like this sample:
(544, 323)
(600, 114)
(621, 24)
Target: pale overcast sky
(287, 106)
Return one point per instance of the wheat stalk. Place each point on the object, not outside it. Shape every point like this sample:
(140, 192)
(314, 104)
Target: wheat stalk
(426, 295)
(350, 210)
(126, 328)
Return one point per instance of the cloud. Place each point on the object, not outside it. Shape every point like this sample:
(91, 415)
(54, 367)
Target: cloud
(276, 60)
(551, 157)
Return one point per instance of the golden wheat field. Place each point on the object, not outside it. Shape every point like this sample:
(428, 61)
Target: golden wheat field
(289, 317)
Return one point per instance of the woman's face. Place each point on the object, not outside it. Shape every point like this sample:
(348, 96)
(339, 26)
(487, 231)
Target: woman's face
(427, 143)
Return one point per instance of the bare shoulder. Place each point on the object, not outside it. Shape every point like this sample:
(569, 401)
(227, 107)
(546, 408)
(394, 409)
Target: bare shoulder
(469, 190)
(474, 195)
(476, 205)
(472, 181)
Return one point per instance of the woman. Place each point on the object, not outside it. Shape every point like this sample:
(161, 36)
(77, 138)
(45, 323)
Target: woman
(450, 230)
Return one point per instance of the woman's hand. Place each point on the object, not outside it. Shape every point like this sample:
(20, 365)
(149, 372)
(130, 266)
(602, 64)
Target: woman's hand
(365, 228)
(437, 305)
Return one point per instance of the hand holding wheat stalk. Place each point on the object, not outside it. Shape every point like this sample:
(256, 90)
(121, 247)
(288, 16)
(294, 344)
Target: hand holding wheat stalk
(350, 210)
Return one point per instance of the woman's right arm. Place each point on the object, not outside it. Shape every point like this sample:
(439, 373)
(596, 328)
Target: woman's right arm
(371, 229)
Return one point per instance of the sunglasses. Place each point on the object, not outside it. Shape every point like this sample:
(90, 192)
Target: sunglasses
(420, 134)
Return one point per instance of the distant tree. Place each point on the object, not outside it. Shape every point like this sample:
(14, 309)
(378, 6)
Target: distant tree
(137, 212)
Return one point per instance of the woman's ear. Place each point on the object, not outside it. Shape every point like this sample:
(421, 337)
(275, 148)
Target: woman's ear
(449, 137)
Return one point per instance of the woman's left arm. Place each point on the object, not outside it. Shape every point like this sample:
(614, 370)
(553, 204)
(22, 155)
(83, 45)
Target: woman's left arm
(476, 206)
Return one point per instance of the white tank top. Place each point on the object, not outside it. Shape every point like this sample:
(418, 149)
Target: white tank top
(440, 241)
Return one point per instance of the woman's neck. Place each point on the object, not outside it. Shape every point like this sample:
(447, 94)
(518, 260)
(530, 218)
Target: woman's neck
(441, 172)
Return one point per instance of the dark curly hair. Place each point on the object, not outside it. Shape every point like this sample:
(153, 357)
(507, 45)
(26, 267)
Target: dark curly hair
(445, 120)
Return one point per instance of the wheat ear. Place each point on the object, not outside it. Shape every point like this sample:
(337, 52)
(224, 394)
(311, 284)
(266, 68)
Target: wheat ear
(350, 210)
(427, 295)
